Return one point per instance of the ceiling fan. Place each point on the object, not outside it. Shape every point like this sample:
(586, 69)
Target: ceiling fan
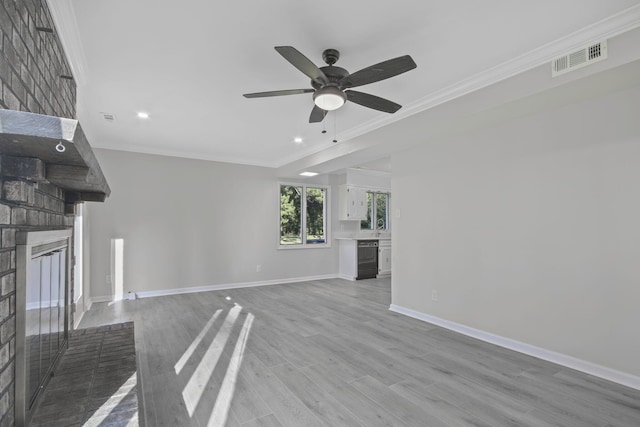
(331, 84)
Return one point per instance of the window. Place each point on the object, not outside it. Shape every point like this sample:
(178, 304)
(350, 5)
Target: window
(377, 212)
(303, 215)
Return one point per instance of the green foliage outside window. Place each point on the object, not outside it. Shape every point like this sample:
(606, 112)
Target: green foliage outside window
(315, 215)
(290, 215)
(381, 211)
(293, 219)
(377, 212)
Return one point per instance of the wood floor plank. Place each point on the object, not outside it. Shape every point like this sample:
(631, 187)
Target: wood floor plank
(170, 409)
(247, 404)
(334, 378)
(375, 349)
(282, 401)
(538, 417)
(333, 344)
(368, 332)
(407, 411)
(480, 350)
(268, 355)
(358, 361)
(434, 404)
(294, 348)
(324, 406)
(564, 407)
(266, 421)
(616, 410)
(601, 390)
(463, 394)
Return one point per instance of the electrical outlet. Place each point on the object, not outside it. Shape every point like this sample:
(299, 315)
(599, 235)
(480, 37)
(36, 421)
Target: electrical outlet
(434, 295)
(107, 279)
(258, 268)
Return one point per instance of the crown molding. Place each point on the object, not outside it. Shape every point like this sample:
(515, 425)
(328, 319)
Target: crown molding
(612, 26)
(66, 24)
(143, 149)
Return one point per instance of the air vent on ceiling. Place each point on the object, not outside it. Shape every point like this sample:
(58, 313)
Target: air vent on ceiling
(580, 58)
(108, 117)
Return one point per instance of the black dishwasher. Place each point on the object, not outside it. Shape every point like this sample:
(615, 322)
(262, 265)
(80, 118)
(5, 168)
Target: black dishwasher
(367, 259)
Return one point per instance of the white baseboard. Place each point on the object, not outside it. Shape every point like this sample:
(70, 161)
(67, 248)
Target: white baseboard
(346, 277)
(177, 291)
(42, 304)
(98, 299)
(541, 353)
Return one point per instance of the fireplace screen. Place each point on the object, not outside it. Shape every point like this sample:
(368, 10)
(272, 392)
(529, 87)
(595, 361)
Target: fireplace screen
(44, 320)
(42, 296)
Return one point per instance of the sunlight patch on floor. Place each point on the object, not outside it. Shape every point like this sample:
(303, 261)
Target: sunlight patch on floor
(189, 352)
(227, 390)
(111, 405)
(194, 389)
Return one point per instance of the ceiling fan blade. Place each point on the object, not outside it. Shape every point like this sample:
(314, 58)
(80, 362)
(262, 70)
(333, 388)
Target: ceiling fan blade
(277, 93)
(303, 64)
(372, 101)
(317, 115)
(378, 72)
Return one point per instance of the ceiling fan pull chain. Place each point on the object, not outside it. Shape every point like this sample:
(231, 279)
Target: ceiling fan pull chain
(335, 113)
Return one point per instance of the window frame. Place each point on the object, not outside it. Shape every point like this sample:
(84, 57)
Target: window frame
(303, 220)
(374, 211)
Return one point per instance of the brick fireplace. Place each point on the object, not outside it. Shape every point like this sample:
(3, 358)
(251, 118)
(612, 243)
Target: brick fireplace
(37, 192)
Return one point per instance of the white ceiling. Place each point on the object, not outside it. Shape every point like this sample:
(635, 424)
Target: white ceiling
(188, 63)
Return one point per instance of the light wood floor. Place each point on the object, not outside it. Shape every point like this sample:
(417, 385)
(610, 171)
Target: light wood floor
(331, 353)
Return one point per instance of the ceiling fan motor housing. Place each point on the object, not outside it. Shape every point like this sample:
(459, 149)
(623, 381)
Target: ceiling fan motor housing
(333, 73)
(330, 56)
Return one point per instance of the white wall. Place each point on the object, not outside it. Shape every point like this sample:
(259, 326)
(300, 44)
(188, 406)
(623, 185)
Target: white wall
(188, 223)
(529, 230)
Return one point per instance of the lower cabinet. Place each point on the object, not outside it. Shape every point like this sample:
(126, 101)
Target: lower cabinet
(384, 258)
(348, 259)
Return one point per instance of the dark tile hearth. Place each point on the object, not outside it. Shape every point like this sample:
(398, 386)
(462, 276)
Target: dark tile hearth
(95, 382)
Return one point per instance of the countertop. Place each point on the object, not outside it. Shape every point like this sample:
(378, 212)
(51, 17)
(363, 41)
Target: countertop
(364, 238)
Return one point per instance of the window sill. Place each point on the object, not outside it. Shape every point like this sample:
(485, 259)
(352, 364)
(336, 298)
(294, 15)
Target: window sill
(307, 246)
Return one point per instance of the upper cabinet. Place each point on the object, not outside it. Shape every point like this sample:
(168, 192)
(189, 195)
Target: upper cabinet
(353, 203)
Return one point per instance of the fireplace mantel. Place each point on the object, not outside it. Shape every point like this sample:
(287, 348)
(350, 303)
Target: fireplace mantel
(62, 146)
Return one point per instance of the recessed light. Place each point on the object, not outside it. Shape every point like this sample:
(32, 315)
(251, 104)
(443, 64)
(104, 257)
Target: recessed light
(143, 115)
(297, 140)
(309, 173)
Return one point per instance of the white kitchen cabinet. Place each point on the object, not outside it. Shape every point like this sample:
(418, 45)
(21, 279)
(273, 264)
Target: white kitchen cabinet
(348, 261)
(384, 258)
(353, 203)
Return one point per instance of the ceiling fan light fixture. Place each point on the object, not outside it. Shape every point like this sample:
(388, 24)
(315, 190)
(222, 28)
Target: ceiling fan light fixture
(329, 98)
